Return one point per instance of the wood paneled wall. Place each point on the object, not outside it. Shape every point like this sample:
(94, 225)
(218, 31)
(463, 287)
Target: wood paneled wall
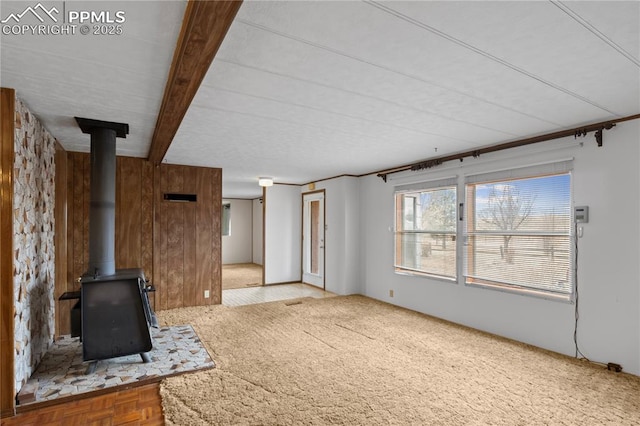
(60, 237)
(188, 237)
(77, 219)
(75, 261)
(134, 214)
(177, 244)
(7, 135)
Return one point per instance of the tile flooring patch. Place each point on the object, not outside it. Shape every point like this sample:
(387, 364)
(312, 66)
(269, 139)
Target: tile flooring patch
(61, 373)
(271, 293)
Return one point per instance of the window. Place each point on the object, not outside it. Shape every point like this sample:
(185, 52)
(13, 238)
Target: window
(426, 229)
(519, 231)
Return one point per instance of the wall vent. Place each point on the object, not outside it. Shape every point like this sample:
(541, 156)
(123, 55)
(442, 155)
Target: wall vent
(181, 198)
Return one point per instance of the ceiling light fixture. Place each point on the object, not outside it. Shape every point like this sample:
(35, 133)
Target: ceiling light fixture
(265, 181)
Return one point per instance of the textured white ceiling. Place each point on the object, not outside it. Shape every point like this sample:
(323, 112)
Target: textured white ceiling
(117, 78)
(308, 90)
(303, 91)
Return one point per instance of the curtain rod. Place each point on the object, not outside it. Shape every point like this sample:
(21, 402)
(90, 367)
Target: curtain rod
(575, 132)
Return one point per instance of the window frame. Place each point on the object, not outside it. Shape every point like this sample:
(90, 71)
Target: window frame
(449, 183)
(557, 169)
(460, 183)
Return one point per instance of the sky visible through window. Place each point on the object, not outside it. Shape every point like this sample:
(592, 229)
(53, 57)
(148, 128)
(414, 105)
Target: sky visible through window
(547, 195)
(520, 233)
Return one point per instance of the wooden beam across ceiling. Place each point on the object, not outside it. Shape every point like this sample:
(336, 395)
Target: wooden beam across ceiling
(204, 26)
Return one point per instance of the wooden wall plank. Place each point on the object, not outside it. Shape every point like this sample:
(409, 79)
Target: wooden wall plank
(146, 223)
(61, 284)
(7, 150)
(175, 238)
(160, 241)
(78, 216)
(175, 178)
(204, 237)
(216, 220)
(70, 212)
(77, 247)
(119, 210)
(63, 322)
(129, 223)
(175, 254)
(135, 215)
(189, 255)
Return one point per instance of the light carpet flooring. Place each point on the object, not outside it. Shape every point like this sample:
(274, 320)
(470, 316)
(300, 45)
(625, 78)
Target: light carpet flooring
(241, 275)
(353, 360)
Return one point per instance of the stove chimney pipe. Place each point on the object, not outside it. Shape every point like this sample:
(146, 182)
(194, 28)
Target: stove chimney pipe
(102, 210)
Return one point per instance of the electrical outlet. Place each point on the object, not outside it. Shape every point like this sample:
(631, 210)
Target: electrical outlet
(390, 293)
(206, 294)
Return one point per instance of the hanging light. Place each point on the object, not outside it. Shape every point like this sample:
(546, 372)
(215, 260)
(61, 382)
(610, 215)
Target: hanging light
(265, 181)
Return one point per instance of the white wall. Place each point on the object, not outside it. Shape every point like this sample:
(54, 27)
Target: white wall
(608, 181)
(257, 231)
(283, 234)
(342, 237)
(238, 247)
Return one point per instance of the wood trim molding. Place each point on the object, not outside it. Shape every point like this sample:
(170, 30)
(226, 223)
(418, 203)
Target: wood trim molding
(264, 222)
(322, 191)
(204, 26)
(7, 136)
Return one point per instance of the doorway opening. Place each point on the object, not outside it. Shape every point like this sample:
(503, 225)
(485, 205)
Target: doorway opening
(313, 238)
(242, 247)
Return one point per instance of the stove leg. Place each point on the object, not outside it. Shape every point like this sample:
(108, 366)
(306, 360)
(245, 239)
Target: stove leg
(91, 368)
(145, 357)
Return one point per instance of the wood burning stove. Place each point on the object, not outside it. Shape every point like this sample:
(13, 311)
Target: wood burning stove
(114, 305)
(116, 315)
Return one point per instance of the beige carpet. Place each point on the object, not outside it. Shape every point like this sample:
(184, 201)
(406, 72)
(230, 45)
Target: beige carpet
(241, 275)
(353, 360)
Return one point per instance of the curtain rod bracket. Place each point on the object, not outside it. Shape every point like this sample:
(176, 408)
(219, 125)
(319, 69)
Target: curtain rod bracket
(597, 132)
(383, 176)
(598, 135)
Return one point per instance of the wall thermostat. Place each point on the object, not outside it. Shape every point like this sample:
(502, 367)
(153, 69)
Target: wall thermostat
(581, 214)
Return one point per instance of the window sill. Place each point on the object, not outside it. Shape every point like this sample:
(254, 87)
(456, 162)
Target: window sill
(411, 273)
(564, 298)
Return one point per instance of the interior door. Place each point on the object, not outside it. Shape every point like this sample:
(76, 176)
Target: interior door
(313, 237)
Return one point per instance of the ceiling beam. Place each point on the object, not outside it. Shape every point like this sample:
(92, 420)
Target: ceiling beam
(204, 26)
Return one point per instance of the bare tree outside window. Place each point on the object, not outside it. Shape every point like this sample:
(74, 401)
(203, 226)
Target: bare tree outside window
(506, 211)
(440, 212)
